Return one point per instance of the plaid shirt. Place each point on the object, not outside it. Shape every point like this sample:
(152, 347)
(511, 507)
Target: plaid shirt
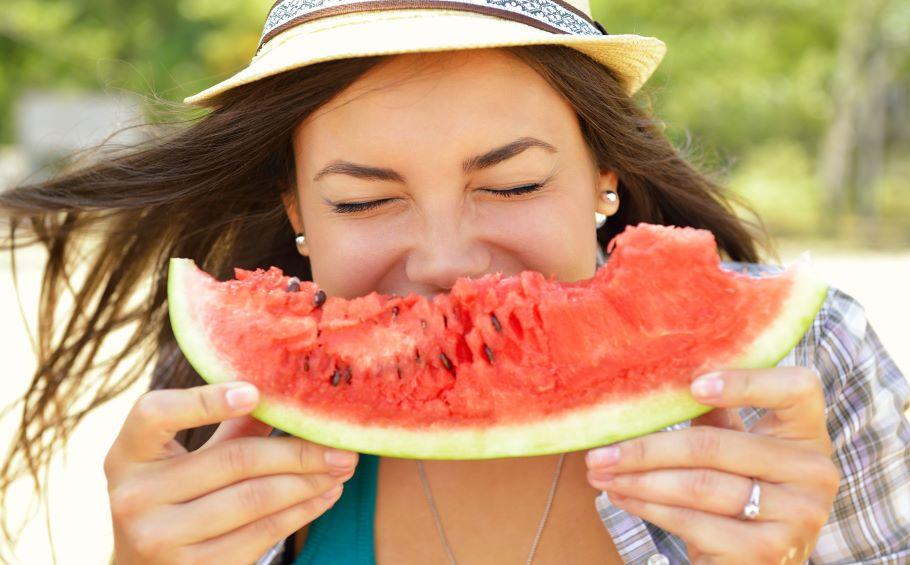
(866, 398)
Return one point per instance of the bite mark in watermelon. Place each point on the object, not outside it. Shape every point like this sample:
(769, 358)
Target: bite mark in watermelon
(499, 366)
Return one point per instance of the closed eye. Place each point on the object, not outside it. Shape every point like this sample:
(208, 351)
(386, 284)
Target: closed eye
(516, 191)
(354, 207)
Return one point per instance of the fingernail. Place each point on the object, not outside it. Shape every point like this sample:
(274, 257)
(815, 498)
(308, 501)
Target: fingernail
(241, 396)
(708, 385)
(331, 493)
(338, 458)
(603, 456)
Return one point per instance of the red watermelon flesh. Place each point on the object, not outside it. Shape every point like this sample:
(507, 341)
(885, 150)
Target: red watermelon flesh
(499, 366)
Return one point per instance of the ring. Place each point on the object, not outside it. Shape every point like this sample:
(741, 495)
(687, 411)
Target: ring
(751, 510)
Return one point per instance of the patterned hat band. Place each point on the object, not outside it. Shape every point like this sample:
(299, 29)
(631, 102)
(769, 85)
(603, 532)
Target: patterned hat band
(554, 16)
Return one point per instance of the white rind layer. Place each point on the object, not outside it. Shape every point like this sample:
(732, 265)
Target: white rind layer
(569, 431)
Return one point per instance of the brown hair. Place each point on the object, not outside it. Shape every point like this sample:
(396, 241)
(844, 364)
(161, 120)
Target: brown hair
(210, 188)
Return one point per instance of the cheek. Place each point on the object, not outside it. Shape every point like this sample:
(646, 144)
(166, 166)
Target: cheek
(356, 260)
(552, 236)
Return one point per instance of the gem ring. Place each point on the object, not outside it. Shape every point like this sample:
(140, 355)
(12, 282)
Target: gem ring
(751, 510)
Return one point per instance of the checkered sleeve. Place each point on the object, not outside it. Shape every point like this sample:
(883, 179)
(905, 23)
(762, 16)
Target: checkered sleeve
(866, 398)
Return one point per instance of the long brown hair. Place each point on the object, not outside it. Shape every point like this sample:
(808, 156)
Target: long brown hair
(210, 188)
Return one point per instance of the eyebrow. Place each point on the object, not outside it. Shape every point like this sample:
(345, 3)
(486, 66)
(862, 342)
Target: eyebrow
(486, 160)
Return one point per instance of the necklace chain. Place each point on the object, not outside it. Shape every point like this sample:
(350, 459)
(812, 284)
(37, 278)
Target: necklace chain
(442, 534)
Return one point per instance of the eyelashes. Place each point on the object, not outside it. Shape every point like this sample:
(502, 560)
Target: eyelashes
(354, 207)
(358, 206)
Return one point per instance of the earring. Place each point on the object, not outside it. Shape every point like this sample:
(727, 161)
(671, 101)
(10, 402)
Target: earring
(611, 197)
(300, 240)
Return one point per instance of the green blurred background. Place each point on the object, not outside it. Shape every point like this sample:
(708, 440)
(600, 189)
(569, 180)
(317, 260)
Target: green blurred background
(802, 106)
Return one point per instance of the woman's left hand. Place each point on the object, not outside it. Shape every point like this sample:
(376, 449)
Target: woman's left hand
(695, 482)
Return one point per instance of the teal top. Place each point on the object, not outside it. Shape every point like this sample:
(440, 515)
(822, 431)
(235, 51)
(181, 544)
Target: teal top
(344, 533)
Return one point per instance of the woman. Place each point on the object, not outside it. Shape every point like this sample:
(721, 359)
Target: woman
(484, 137)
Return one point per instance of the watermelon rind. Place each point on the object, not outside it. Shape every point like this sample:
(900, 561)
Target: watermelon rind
(570, 430)
(806, 297)
(192, 340)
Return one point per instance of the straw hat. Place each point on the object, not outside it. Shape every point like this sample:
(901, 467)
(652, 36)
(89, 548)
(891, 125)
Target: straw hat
(298, 33)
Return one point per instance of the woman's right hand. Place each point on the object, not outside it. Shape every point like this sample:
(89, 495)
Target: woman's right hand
(227, 502)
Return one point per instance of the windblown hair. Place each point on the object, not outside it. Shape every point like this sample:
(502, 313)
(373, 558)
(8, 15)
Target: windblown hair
(210, 188)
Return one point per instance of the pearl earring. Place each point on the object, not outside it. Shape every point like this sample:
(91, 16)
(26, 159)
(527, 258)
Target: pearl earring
(611, 197)
(300, 240)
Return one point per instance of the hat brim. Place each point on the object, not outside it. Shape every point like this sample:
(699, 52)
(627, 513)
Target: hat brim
(633, 58)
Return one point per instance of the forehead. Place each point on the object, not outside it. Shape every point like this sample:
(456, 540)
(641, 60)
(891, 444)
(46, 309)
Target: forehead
(435, 98)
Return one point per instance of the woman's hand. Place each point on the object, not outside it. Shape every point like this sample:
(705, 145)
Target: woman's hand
(227, 502)
(695, 482)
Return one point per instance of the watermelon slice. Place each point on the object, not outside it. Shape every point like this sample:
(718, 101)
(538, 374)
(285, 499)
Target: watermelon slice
(499, 366)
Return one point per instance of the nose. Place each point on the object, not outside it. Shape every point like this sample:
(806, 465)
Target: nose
(442, 253)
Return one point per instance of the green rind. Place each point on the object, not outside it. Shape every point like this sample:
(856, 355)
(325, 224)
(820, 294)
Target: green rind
(193, 341)
(570, 431)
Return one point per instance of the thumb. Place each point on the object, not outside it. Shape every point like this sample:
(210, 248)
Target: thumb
(726, 418)
(241, 426)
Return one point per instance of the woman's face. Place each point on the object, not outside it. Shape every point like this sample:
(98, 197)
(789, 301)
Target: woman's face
(397, 178)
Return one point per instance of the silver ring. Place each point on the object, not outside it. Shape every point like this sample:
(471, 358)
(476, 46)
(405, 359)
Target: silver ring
(751, 510)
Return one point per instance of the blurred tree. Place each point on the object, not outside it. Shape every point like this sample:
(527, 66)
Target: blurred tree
(170, 47)
(737, 73)
(853, 150)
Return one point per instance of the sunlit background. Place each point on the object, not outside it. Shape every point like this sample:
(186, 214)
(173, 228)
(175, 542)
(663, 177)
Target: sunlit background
(801, 106)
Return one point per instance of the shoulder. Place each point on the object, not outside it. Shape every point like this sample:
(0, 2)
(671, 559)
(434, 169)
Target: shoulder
(754, 269)
(861, 381)
(840, 343)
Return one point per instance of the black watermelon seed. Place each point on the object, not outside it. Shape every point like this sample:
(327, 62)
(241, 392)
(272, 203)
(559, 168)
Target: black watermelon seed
(445, 361)
(394, 312)
(293, 284)
(336, 377)
(417, 356)
(306, 363)
(319, 299)
(496, 323)
(445, 321)
(488, 352)
(399, 371)
(347, 375)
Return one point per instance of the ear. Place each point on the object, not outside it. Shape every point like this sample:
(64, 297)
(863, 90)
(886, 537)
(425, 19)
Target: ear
(609, 182)
(289, 199)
